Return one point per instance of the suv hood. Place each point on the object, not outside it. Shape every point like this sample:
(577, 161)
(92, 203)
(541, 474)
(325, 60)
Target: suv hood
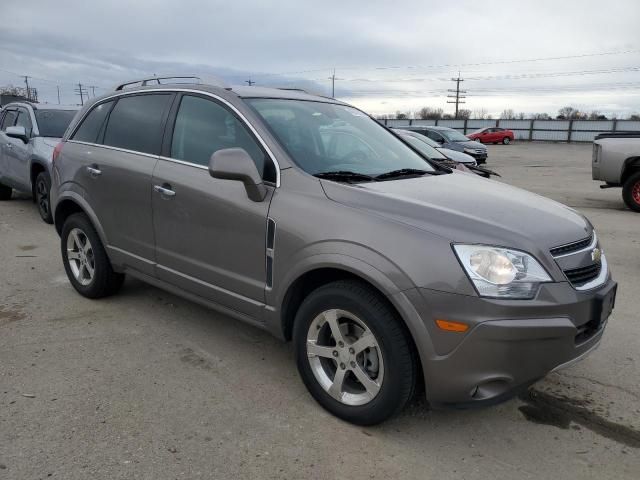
(472, 144)
(463, 207)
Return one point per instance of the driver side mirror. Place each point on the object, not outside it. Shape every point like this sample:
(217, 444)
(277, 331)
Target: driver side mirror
(17, 132)
(236, 164)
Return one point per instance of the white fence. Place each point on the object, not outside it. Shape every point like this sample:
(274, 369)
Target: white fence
(549, 130)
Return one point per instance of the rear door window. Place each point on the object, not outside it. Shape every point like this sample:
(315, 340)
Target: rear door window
(136, 122)
(92, 124)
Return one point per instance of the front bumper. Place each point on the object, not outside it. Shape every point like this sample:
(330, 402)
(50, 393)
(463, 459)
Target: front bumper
(480, 157)
(511, 343)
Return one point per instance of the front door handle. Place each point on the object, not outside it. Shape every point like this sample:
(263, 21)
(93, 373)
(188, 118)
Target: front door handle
(94, 171)
(9, 145)
(164, 190)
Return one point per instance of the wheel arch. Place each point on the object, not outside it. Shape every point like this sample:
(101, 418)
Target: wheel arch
(631, 165)
(37, 166)
(68, 204)
(314, 277)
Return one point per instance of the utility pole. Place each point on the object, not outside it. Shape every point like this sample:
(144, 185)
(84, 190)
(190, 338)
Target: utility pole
(333, 79)
(457, 91)
(81, 91)
(58, 87)
(249, 82)
(93, 90)
(26, 82)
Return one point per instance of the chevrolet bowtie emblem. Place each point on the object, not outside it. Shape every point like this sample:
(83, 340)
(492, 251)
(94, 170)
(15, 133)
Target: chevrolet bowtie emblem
(596, 255)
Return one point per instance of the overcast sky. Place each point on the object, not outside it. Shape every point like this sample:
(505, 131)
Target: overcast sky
(389, 55)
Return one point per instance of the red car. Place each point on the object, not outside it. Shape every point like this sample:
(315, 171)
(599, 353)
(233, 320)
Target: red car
(492, 135)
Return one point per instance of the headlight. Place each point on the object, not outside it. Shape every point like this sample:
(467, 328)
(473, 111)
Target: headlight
(469, 151)
(500, 272)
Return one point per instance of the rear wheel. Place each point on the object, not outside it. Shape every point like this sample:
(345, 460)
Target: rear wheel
(85, 260)
(506, 140)
(631, 192)
(353, 354)
(5, 192)
(42, 191)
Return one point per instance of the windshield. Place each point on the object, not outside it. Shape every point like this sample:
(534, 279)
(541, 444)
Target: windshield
(453, 135)
(324, 137)
(53, 123)
(424, 147)
(480, 130)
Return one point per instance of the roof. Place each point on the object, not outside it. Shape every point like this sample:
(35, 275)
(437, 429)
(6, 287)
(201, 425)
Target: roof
(240, 90)
(264, 92)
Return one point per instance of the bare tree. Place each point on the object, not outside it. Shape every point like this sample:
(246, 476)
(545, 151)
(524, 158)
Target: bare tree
(428, 113)
(402, 115)
(480, 114)
(508, 114)
(634, 116)
(570, 113)
(522, 116)
(447, 116)
(541, 116)
(464, 113)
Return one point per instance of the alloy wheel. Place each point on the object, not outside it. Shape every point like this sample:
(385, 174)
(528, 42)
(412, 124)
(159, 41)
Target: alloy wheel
(42, 197)
(635, 193)
(80, 256)
(345, 357)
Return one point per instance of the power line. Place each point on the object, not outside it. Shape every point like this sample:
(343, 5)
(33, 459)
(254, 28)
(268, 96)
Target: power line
(450, 65)
(333, 79)
(457, 95)
(81, 91)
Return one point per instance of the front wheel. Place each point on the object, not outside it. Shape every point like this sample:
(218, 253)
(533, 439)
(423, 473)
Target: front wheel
(85, 260)
(631, 192)
(506, 141)
(353, 354)
(42, 191)
(478, 140)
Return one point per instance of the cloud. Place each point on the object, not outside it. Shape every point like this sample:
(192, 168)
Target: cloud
(293, 43)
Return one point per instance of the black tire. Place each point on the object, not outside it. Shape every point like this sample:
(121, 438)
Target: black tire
(400, 360)
(506, 141)
(105, 281)
(42, 191)
(5, 192)
(631, 192)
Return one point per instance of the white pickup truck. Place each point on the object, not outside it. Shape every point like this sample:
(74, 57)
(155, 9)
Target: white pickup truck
(616, 161)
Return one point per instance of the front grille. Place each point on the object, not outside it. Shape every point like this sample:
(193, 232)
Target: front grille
(571, 247)
(582, 275)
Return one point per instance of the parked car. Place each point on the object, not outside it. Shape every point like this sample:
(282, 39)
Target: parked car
(616, 161)
(378, 264)
(28, 134)
(424, 146)
(492, 135)
(454, 155)
(453, 140)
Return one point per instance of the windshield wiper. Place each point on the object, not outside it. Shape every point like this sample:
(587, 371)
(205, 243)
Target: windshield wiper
(345, 176)
(406, 172)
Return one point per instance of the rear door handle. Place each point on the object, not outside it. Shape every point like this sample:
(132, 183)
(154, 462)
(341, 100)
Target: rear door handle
(94, 171)
(164, 190)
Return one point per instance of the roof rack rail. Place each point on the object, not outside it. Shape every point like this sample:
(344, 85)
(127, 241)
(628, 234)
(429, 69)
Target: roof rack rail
(173, 79)
(293, 89)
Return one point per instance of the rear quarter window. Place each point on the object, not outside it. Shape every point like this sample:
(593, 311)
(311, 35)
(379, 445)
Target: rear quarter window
(92, 124)
(135, 123)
